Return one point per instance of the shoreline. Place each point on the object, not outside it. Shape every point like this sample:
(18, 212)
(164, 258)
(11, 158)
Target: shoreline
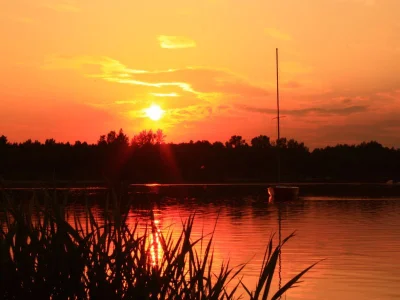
(102, 184)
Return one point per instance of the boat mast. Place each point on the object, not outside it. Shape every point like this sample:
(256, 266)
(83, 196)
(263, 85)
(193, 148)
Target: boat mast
(278, 118)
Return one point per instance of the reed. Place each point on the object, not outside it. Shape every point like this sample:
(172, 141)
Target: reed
(43, 255)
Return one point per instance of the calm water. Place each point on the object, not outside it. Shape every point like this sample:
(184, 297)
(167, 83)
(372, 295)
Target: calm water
(359, 238)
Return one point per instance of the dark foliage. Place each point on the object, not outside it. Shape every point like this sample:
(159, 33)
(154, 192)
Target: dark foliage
(147, 158)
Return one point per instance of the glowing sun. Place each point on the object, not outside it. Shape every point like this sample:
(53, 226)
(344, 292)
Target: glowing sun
(154, 112)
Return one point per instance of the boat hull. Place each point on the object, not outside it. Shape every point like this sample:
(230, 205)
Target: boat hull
(283, 193)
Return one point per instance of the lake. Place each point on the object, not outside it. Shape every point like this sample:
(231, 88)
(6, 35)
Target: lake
(357, 234)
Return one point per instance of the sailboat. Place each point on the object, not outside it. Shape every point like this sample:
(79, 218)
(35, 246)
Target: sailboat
(280, 192)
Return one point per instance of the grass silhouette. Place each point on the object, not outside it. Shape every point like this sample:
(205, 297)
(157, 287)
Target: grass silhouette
(44, 256)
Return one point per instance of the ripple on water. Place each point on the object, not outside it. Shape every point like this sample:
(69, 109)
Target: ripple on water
(359, 239)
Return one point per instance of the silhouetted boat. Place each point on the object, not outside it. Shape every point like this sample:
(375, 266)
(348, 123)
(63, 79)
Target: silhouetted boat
(281, 192)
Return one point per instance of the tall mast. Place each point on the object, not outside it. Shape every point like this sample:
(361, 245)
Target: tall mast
(277, 90)
(279, 169)
(278, 118)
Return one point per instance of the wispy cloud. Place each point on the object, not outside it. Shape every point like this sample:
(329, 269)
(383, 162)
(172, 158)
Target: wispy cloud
(191, 113)
(68, 7)
(165, 94)
(277, 34)
(178, 116)
(187, 94)
(121, 102)
(390, 95)
(175, 42)
(322, 111)
(205, 83)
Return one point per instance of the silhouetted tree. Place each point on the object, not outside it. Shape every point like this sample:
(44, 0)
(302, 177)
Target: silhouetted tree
(27, 143)
(148, 138)
(293, 144)
(371, 146)
(281, 143)
(262, 142)
(122, 139)
(143, 138)
(50, 142)
(203, 143)
(218, 145)
(3, 140)
(235, 141)
(150, 159)
(160, 137)
(111, 137)
(102, 141)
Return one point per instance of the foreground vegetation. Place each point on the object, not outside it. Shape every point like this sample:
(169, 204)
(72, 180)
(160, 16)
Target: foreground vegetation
(147, 158)
(44, 255)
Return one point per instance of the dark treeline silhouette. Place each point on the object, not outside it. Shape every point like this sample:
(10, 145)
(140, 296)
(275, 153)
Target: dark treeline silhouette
(147, 158)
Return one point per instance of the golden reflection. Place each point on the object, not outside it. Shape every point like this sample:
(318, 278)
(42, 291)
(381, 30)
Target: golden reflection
(156, 250)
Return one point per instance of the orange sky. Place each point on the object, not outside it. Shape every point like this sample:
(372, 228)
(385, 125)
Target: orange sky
(73, 70)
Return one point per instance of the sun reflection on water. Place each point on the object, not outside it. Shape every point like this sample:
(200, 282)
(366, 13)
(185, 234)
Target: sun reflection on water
(156, 250)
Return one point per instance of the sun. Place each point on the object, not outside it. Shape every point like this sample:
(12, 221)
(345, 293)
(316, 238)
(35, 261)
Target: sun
(154, 112)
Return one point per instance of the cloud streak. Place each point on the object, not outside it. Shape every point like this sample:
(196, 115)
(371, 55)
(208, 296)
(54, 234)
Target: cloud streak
(190, 114)
(179, 116)
(204, 83)
(165, 94)
(187, 94)
(122, 102)
(322, 111)
(193, 95)
(175, 42)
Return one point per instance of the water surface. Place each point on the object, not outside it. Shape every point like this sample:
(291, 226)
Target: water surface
(358, 236)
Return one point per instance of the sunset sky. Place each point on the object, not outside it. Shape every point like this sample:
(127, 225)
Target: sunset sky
(73, 70)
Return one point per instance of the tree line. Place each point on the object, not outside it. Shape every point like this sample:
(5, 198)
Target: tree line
(146, 157)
